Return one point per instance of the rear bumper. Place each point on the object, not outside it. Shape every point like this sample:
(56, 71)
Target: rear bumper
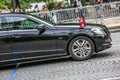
(103, 44)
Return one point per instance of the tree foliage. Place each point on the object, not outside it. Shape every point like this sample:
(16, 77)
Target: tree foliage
(53, 4)
(25, 3)
(5, 2)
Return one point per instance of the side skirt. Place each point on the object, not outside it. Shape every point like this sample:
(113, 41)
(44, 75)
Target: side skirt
(32, 59)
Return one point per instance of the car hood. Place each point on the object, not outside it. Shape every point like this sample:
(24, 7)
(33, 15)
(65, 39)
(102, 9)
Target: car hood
(77, 26)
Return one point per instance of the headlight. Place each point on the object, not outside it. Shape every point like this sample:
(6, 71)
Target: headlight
(99, 31)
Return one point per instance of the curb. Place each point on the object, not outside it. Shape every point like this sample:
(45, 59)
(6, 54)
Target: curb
(114, 29)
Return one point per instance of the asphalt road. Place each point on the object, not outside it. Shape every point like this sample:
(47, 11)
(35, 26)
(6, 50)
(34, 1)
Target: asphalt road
(102, 66)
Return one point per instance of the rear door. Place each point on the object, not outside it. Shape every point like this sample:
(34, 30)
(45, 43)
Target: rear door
(5, 45)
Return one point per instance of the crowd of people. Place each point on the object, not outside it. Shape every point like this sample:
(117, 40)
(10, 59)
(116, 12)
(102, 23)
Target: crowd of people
(19, 10)
(7, 10)
(44, 9)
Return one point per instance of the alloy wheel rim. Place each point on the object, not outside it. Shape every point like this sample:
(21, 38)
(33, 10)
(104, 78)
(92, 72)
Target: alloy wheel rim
(81, 48)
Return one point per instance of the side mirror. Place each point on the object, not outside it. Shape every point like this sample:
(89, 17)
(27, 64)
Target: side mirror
(41, 28)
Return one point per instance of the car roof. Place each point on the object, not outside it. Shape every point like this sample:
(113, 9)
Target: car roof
(27, 15)
(10, 14)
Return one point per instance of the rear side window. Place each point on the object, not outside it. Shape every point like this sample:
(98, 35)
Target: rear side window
(18, 23)
(0, 24)
(3, 23)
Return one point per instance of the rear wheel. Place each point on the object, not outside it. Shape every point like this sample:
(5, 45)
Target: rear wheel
(81, 48)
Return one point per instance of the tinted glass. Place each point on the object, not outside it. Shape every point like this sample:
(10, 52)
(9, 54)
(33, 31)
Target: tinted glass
(0, 24)
(16, 23)
(3, 23)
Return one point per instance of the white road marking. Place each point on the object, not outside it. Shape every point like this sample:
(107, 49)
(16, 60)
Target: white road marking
(115, 78)
(115, 45)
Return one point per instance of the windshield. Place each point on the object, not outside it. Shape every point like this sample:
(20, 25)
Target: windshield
(45, 20)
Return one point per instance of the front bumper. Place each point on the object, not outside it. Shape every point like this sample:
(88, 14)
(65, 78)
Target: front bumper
(103, 44)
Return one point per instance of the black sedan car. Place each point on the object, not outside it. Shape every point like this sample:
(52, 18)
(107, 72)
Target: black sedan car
(25, 38)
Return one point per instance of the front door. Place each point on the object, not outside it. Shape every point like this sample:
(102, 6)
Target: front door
(28, 41)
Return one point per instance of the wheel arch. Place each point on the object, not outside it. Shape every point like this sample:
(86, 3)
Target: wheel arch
(85, 35)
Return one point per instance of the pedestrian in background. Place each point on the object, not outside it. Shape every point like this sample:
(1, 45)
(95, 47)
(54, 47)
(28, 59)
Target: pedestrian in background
(44, 12)
(18, 10)
(54, 17)
(0, 11)
(6, 10)
(61, 13)
(62, 7)
(98, 10)
(44, 9)
(75, 4)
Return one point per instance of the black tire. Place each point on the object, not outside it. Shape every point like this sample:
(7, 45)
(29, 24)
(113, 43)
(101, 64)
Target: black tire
(89, 43)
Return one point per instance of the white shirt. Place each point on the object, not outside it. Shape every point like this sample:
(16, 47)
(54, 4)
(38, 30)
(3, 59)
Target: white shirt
(6, 11)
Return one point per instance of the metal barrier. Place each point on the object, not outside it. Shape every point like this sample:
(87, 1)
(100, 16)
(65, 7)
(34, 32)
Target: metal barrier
(96, 13)
(61, 15)
(111, 10)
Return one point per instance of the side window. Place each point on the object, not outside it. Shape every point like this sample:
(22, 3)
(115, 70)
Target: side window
(18, 23)
(3, 23)
(0, 25)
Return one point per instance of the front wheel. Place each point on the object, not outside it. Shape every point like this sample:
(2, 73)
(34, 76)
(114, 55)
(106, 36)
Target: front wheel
(81, 48)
